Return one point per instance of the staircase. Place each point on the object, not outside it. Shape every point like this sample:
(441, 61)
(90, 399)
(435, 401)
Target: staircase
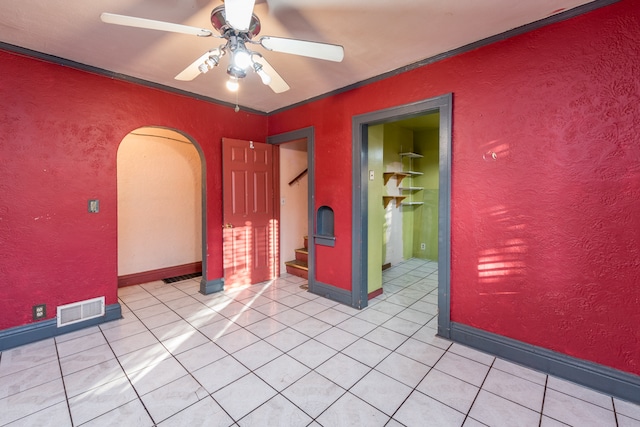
(299, 267)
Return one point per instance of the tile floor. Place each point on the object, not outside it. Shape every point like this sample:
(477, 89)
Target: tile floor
(276, 355)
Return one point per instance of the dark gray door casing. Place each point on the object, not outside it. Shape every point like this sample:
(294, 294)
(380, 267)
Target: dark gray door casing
(443, 105)
(308, 134)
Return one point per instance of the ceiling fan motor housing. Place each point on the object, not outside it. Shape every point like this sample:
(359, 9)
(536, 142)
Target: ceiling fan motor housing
(219, 22)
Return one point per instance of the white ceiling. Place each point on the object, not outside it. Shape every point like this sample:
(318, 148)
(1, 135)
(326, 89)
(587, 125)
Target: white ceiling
(378, 36)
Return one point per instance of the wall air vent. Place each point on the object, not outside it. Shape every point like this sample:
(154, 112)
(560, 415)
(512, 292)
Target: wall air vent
(79, 311)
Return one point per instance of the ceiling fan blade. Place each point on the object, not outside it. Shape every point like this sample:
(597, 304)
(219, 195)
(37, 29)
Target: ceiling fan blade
(277, 84)
(328, 52)
(131, 21)
(193, 70)
(238, 13)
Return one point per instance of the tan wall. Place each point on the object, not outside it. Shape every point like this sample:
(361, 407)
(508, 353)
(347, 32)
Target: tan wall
(159, 201)
(294, 211)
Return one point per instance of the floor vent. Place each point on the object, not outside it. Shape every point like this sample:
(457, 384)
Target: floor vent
(180, 278)
(79, 311)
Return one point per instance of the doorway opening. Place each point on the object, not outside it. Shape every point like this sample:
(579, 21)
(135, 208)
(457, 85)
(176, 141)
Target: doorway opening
(161, 206)
(294, 207)
(295, 199)
(403, 200)
(419, 137)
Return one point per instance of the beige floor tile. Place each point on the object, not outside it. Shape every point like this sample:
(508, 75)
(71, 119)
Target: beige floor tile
(350, 410)
(204, 413)
(276, 412)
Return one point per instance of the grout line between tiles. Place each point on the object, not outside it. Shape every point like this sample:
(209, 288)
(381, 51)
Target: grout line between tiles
(544, 398)
(64, 385)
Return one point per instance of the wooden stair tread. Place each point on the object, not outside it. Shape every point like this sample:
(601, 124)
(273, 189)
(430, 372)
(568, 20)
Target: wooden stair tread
(303, 251)
(297, 264)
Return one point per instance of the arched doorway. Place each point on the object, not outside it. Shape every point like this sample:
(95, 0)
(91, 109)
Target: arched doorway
(161, 206)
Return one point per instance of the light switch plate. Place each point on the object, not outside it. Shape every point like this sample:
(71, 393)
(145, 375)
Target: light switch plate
(372, 175)
(94, 206)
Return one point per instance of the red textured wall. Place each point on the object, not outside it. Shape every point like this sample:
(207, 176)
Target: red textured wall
(546, 238)
(59, 133)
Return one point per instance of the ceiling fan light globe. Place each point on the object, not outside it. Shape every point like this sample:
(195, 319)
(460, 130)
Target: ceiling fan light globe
(241, 59)
(232, 84)
(266, 78)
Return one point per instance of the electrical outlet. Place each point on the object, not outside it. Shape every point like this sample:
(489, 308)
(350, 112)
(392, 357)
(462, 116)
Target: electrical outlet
(423, 246)
(39, 311)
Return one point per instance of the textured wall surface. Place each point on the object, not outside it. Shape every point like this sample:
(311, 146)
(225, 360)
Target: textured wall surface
(546, 237)
(426, 218)
(375, 210)
(59, 134)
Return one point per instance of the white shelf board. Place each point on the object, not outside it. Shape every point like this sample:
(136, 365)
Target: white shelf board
(411, 155)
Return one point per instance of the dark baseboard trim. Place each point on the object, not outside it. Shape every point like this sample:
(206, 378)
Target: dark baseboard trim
(331, 292)
(374, 294)
(21, 335)
(607, 380)
(159, 274)
(211, 286)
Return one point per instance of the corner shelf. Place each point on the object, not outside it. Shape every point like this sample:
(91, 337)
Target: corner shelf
(411, 155)
(387, 199)
(411, 173)
(398, 175)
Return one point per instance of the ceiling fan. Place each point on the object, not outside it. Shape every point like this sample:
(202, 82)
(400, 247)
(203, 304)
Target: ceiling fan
(238, 25)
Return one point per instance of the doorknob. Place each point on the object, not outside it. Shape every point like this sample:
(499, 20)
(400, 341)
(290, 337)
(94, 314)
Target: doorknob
(227, 225)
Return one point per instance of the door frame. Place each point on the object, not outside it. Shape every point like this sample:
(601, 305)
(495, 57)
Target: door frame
(308, 134)
(360, 181)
